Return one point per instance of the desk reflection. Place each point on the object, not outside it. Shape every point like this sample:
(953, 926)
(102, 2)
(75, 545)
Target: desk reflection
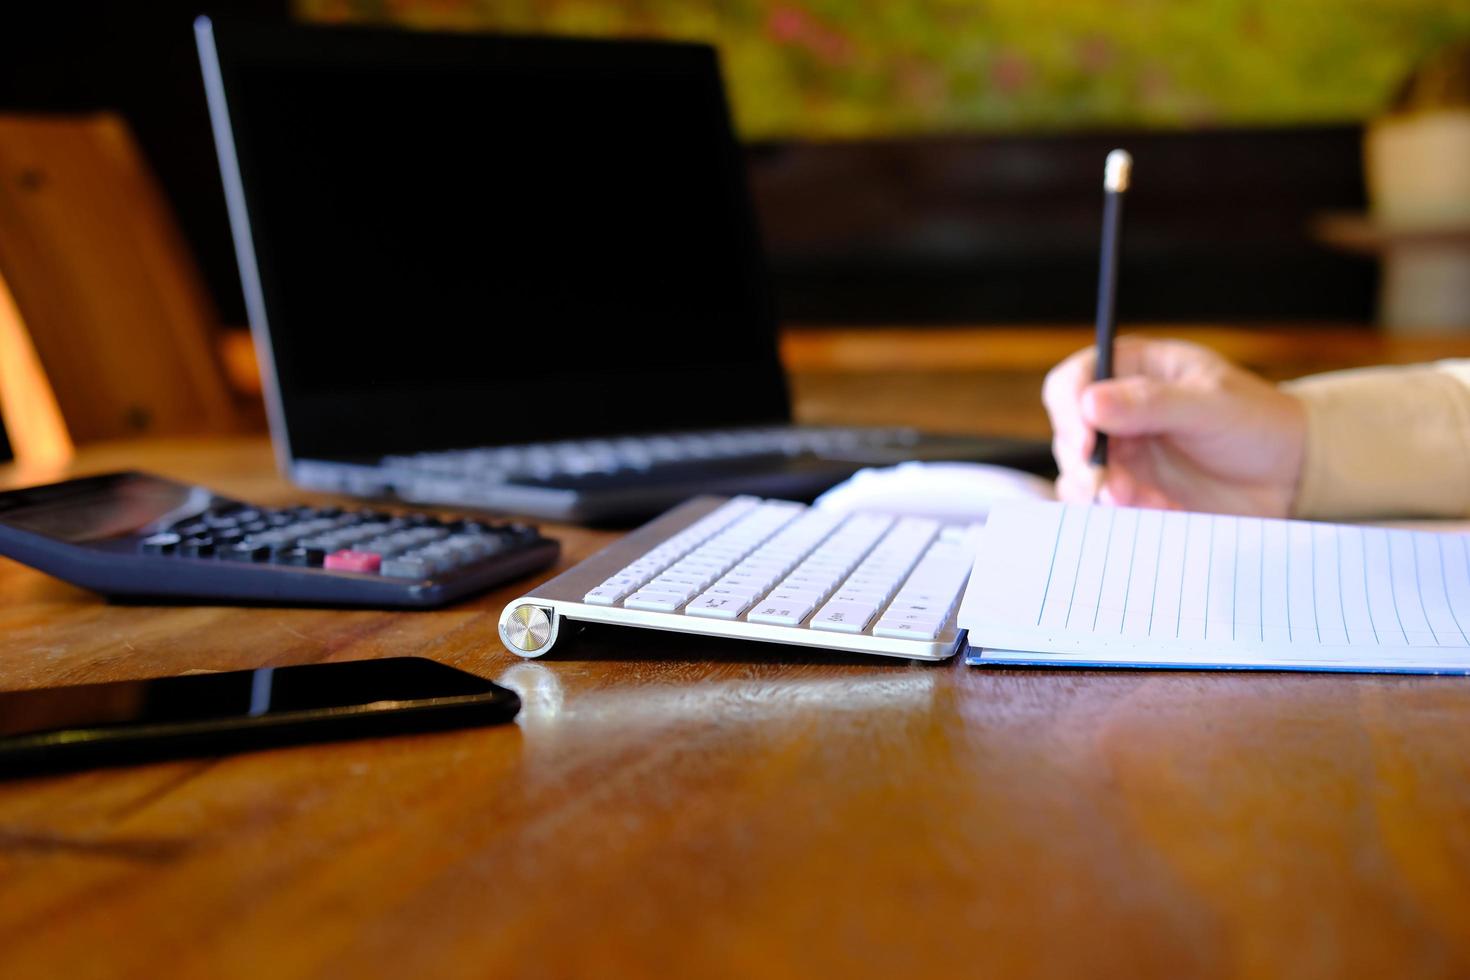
(644, 700)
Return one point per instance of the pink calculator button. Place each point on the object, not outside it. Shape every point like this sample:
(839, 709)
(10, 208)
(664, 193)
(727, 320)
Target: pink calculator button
(348, 560)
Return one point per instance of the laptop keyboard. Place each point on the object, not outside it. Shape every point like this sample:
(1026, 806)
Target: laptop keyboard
(784, 564)
(548, 460)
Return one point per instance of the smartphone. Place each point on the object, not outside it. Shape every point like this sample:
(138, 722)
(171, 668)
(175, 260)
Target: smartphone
(65, 728)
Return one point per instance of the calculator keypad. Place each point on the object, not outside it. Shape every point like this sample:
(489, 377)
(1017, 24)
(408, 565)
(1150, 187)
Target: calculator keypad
(403, 546)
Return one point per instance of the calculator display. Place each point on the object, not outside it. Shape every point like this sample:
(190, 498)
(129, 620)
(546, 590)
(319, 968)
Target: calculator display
(101, 507)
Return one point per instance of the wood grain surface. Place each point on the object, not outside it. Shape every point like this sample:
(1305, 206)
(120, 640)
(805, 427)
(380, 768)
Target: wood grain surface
(668, 806)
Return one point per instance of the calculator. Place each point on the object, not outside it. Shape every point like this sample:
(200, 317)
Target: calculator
(138, 535)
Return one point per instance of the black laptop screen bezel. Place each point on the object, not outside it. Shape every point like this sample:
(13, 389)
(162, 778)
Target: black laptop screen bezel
(361, 427)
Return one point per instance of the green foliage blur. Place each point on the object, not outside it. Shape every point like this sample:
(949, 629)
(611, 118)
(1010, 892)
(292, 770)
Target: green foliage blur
(817, 69)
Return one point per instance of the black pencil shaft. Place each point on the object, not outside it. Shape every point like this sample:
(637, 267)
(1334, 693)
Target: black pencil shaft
(1107, 288)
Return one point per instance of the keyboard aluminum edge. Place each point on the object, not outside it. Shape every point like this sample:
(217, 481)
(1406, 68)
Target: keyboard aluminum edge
(946, 645)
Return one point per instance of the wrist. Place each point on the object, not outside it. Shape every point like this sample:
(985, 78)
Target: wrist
(1296, 425)
(1383, 442)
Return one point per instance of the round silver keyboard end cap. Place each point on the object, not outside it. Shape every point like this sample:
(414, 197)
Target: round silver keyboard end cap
(528, 629)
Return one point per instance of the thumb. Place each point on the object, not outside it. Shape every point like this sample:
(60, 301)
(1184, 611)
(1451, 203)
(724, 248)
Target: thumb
(1141, 406)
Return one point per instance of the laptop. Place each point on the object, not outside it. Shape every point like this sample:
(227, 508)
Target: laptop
(514, 273)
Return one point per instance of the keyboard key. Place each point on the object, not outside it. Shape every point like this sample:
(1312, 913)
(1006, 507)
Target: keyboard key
(701, 565)
(245, 551)
(471, 546)
(903, 606)
(669, 578)
(442, 553)
(718, 606)
(761, 565)
(898, 614)
(811, 579)
(794, 597)
(301, 557)
(435, 564)
(604, 595)
(160, 544)
(735, 592)
(196, 547)
(847, 599)
(928, 597)
(681, 589)
(780, 613)
(410, 568)
(382, 547)
(654, 601)
(757, 583)
(348, 560)
(844, 617)
(907, 630)
(268, 538)
(699, 581)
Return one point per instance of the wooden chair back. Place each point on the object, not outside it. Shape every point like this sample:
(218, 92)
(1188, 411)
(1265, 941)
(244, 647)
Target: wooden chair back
(106, 329)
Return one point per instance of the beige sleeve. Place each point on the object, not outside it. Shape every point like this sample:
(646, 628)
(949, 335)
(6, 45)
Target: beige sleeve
(1386, 442)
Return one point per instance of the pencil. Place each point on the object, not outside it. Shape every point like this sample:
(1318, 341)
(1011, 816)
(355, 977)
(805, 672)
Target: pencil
(1116, 174)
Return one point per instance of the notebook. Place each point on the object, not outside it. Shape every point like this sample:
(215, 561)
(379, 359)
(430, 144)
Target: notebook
(1077, 585)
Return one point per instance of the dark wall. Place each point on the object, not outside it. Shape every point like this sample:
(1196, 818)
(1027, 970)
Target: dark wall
(958, 229)
(1006, 228)
(138, 59)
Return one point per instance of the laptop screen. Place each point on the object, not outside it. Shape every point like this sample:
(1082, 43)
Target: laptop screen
(468, 240)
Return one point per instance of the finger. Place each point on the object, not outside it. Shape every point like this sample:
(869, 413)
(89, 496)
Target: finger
(1170, 360)
(1076, 486)
(1071, 448)
(1062, 387)
(1131, 356)
(1140, 406)
(1151, 497)
(1135, 460)
(1129, 454)
(1124, 489)
(1162, 359)
(1064, 384)
(1119, 488)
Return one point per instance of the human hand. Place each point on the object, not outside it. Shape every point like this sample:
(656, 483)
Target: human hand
(1187, 430)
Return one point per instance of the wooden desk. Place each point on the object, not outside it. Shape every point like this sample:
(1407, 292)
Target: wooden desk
(668, 806)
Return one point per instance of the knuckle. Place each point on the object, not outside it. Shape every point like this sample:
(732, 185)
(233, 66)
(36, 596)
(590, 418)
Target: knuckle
(1144, 394)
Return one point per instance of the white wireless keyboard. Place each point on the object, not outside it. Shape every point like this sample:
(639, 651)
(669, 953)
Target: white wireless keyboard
(767, 570)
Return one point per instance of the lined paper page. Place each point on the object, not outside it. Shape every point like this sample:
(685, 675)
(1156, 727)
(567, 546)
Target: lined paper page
(1066, 583)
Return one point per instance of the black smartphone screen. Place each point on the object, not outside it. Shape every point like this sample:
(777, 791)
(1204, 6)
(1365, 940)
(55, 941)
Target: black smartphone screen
(232, 710)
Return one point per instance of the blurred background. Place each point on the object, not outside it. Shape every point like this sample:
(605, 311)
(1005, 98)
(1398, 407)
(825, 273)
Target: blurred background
(937, 162)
